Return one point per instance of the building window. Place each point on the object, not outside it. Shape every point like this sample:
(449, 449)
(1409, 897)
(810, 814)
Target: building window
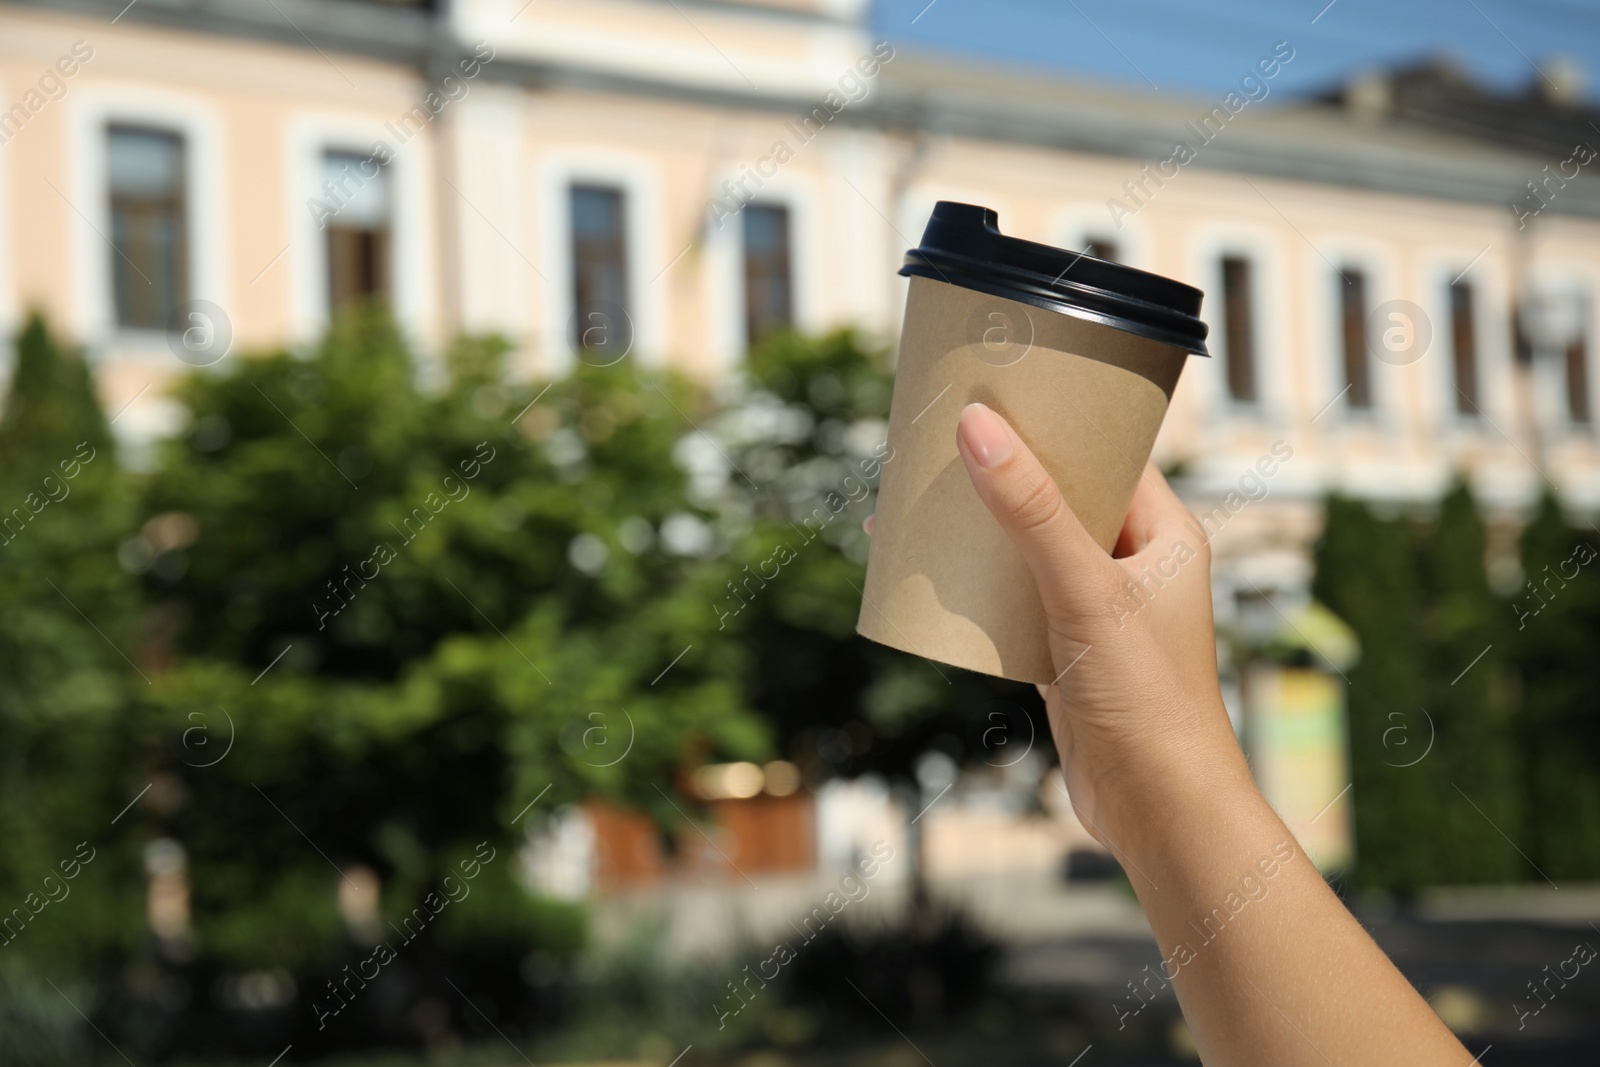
(1102, 248)
(150, 260)
(1464, 347)
(1353, 336)
(1239, 328)
(358, 230)
(768, 272)
(600, 321)
(1578, 374)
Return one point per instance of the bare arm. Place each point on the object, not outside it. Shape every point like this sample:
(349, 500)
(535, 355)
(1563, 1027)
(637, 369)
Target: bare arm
(1268, 965)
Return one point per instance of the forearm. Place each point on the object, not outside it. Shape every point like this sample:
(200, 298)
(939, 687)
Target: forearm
(1267, 964)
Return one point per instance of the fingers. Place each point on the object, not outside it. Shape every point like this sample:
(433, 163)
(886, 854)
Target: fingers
(1069, 567)
(1156, 514)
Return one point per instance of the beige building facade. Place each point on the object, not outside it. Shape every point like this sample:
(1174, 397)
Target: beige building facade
(671, 178)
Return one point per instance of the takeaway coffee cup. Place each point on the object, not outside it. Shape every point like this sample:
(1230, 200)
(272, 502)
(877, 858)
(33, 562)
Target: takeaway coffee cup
(1081, 356)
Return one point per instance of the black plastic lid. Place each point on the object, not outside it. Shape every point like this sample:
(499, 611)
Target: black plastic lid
(963, 246)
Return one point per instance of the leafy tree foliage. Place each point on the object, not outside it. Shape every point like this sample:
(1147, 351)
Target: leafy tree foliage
(1365, 574)
(68, 642)
(403, 608)
(368, 627)
(1557, 615)
(349, 625)
(1470, 697)
(1437, 759)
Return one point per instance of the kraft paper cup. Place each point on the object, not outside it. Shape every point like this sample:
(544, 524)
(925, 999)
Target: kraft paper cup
(943, 580)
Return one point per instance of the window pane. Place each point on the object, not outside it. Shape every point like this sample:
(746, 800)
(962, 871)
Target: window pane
(356, 190)
(356, 187)
(600, 321)
(1239, 335)
(768, 281)
(144, 162)
(1464, 347)
(1353, 330)
(358, 265)
(149, 260)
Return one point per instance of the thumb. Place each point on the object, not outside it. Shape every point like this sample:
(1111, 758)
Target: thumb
(1074, 574)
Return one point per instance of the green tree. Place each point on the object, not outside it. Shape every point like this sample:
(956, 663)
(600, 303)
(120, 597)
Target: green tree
(68, 655)
(51, 401)
(367, 624)
(1365, 574)
(413, 613)
(1435, 752)
(1557, 616)
(1475, 765)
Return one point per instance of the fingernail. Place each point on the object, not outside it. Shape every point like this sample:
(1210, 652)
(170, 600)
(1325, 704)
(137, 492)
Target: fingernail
(868, 523)
(985, 435)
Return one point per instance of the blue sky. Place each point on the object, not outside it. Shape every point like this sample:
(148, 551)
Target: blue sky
(1203, 48)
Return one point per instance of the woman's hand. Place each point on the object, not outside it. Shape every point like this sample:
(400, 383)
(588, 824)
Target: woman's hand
(1135, 709)
(1266, 961)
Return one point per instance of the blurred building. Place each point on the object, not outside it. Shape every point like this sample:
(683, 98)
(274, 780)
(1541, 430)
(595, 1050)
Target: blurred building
(674, 179)
(1400, 275)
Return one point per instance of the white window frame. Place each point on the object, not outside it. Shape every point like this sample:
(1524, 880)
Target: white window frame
(1323, 262)
(725, 264)
(1270, 303)
(651, 267)
(1492, 325)
(412, 299)
(92, 110)
(1550, 394)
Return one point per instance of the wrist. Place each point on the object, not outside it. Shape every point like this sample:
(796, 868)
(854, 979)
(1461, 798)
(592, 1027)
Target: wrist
(1183, 793)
